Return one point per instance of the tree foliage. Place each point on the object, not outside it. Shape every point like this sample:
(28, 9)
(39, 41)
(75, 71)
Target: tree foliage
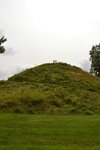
(2, 40)
(95, 60)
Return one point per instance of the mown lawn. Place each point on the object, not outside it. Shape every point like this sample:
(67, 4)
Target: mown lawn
(49, 132)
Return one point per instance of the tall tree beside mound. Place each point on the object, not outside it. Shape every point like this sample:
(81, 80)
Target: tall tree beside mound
(2, 40)
(95, 60)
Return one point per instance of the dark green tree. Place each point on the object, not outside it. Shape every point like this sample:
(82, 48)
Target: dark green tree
(95, 60)
(2, 40)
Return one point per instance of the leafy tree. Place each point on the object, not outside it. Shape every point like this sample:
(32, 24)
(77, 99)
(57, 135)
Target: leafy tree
(95, 60)
(2, 40)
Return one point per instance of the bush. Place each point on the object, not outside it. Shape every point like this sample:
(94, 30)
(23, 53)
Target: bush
(89, 112)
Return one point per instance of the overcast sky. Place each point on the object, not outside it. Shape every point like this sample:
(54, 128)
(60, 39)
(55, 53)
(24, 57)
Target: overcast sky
(40, 31)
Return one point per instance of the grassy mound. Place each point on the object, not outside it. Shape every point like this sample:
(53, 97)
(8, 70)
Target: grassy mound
(51, 88)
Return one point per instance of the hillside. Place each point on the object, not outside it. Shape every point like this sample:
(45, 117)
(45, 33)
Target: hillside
(51, 88)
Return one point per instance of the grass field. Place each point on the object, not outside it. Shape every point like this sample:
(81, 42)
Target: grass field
(49, 132)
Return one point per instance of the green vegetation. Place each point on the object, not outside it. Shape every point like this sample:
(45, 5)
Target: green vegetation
(95, 60)
(56, 88)
(2, 40)
(46, 132)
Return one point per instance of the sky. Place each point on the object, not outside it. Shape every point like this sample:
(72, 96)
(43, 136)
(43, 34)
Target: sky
(40, 31)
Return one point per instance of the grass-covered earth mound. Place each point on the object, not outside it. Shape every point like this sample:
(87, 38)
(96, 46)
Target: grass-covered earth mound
(52, 88)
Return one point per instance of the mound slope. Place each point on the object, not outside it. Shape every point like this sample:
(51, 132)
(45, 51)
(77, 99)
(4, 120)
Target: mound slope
(51, 88)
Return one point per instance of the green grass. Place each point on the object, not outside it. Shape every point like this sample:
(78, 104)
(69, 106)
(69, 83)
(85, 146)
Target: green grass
(49, 132)
(51, 89)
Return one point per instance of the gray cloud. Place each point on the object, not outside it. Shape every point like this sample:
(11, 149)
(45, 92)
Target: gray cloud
(85, 65)
(9, 51)
(40, 35)
(5, 74)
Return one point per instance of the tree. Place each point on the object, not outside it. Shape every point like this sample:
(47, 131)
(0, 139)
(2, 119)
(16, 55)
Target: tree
(2, 40)
(95, 60)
